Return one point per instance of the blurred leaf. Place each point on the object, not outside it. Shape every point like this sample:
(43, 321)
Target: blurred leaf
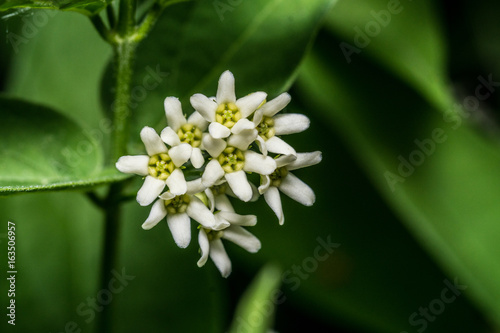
(446, 190)
(68, 83)
(213, 36)
(256, 308)
(58, 285)
(43, 150)
(87, 7)
(405, 36)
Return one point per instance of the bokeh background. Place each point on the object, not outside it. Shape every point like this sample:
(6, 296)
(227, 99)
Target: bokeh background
(396, 244)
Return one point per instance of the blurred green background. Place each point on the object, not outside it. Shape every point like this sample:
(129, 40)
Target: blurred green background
(410, 64)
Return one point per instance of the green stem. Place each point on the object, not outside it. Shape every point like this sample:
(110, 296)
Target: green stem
(124, 57)
(110, 246)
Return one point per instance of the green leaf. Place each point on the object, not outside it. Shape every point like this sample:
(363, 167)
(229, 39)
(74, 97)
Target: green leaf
(86, 7)
(255, 311)
(43, 150)
(446, 190)
(405, 36)
(261, 42)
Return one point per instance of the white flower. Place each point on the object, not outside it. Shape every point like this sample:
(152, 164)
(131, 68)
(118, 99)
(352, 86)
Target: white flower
(269, 125)
(286, 182)
(228, 116)
(161, 167)
(180, 130)
(211, 240)
(179, 209)
(231, 163)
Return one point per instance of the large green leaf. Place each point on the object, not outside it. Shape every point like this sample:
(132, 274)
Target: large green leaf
(405, 36)
(438, 174)
(87, 7)
(261, 42)
(43, 150)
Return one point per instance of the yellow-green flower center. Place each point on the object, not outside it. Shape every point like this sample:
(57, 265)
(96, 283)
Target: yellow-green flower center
(191, 134)
(160, 166)
(266, 128)
(227, 114)
(231, 159)
(277, 176)
(214, 234)
(178, 204)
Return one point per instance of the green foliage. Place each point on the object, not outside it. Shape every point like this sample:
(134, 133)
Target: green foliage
(210, 39)
(42, 150)
(86, 7)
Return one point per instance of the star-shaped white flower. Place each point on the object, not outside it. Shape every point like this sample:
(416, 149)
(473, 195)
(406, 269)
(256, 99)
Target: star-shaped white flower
(161, 167)
(180, 130)
(179, 210)
(227, 115)
(283, 180)
(231, 163)
(269, 125)
(211, 240)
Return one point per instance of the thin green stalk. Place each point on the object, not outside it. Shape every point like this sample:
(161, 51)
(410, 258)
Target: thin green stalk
(110, 246)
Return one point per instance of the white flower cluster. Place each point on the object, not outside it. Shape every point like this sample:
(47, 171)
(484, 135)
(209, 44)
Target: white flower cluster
(221, 130)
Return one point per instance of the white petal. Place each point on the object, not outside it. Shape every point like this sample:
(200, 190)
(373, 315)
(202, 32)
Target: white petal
(250, 103)
(238, 182)
(225, 89)
(273, 199)
(278, 146)
(170, 137)
(255, 162)
(222, 203)
(265, 182)
(158, 212)
(285, 160)
(257, 117)
(218, 131)
(180, 227)
(261, 144)
(197, 120)
(197, 158)
(176, 182)
(213, 172)
(297, 190)
(211, 199)
(195, 186)
(167, 196)
(305, 160)
(255, 193)
(276, 105)
(152, 141)
(241, 125)
(205, 106)
(180, 154)
(243, 139)
(173, 111)
(204, 247)
(214, 147)
(200, 213)
(243, 238)
(150, 190)
(290, 123)
(233, 218)
(133, 164)
(219, 257)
